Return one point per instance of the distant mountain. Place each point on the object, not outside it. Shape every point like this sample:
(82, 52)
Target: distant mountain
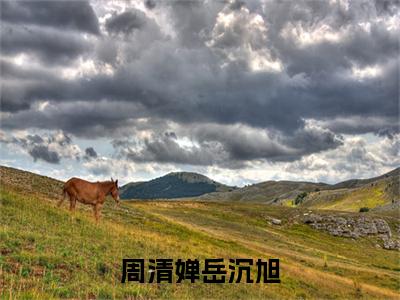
(268, 191)
(173, 185)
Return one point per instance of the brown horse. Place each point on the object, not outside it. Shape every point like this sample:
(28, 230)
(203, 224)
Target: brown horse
(90, 193)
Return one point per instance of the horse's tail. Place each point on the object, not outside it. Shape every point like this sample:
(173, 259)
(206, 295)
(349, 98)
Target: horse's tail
(64, 194)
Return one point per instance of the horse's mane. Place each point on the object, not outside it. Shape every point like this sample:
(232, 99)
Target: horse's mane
(106, 185)
(104, 182)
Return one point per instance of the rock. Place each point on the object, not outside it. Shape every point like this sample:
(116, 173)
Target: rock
(312, 218)
(276, 221)
(352, 227)
(341, 221)
(382, 227)
(391, 244)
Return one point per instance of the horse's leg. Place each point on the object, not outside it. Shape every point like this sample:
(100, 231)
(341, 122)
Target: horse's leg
(72, 204)
(62, 199)
(97, 211)
(94, 210)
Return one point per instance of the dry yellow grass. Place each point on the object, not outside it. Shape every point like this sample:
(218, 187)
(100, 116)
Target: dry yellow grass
(47, 252)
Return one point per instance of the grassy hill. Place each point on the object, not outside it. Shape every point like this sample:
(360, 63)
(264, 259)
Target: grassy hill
(173, 185)
(267, 192)
(354, 183)
(48, 253)
(382, 192)
(30, 183)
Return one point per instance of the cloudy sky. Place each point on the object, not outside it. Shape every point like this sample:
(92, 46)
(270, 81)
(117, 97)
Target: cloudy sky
(241, 91)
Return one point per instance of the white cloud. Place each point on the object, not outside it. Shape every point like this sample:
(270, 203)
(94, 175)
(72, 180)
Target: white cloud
(366, 72)
(316, 34)
(242, 36)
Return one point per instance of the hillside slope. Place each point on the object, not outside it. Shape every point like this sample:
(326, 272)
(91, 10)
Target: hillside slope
(48, 253)
(382, 192)
(354, 183)
(173, 185)
(30, 183)
(267, 192)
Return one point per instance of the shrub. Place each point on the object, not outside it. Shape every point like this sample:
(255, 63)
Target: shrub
(300, 197)
(364, 209)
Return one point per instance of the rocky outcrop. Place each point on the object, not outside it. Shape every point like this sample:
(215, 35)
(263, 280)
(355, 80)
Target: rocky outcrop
(276, 221)
(353, 227)
(273, 221)
(391, 244)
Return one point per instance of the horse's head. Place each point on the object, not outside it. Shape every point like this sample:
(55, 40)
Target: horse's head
(115, 190)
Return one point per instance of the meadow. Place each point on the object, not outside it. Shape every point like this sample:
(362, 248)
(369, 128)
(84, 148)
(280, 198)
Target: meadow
(47, 252)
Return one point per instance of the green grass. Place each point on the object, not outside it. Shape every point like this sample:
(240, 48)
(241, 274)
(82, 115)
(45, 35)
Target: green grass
(288, 202)
(370, 197)
(47, 252)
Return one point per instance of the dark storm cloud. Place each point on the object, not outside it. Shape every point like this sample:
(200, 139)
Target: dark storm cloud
(90, 152)
(365, 46)
(195, 71)
(389, 132)
(126, 22)
(242, 143)
(387, 6)
(49, 31)
(312, 140)
(212, 96)
(48, 148)
(357, 48)
(218, 95)
(150, 4)
(246, 144)
(35, 139)
(228, 146)
(165, 149)
(11, 99)
(43, 153)
(80, 119)
(237, 4)
(386, 126)
(49, 45)
(20, 93)
(193, 20)
(171, 134)
(76, 15)
(11, 71)
(22, 141)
